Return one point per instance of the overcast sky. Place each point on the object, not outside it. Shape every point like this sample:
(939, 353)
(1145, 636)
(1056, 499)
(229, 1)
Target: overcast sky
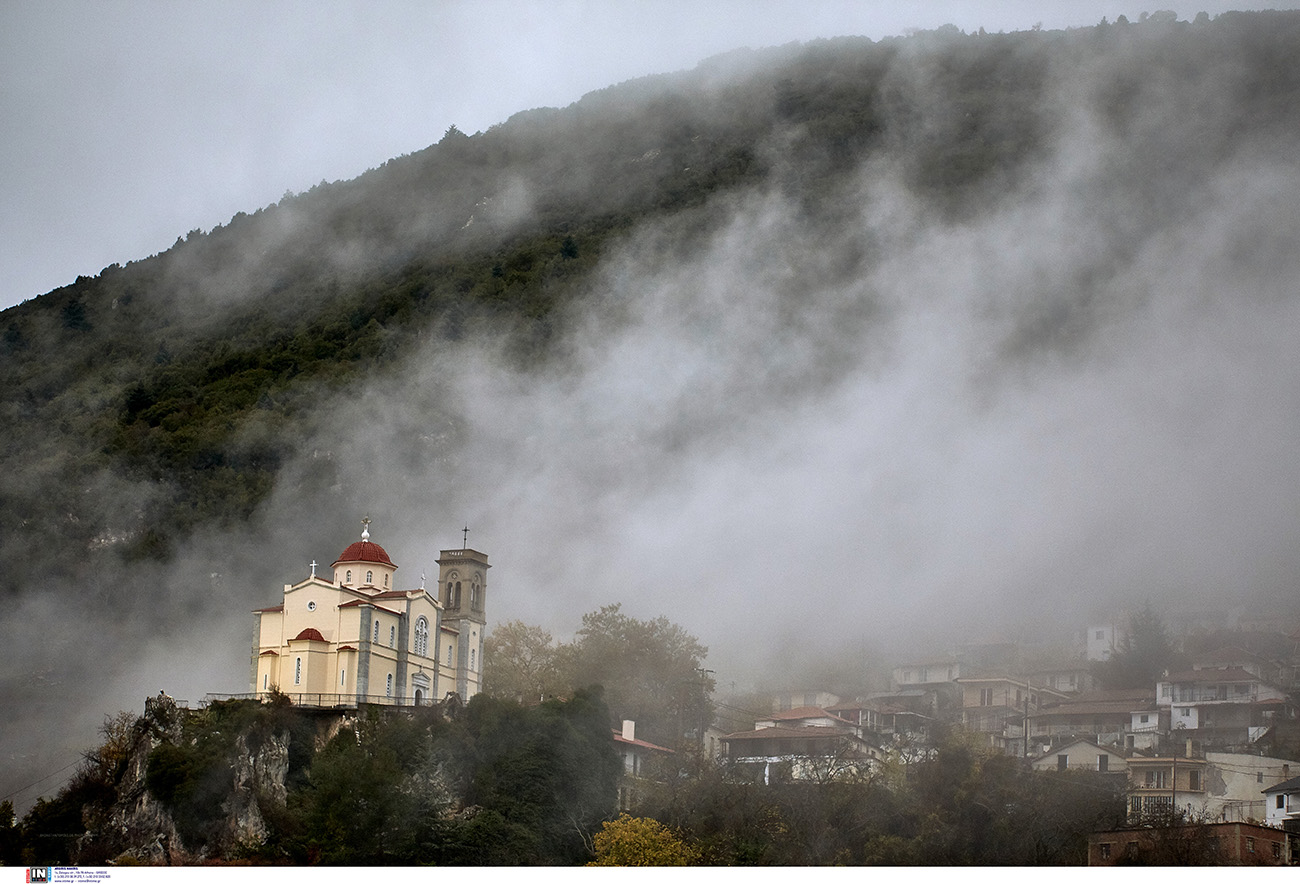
(127, 124)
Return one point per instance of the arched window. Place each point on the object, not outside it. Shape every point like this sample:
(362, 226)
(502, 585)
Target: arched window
(266, 678)
(385, 581)
(419, 696)
(392, 636)
(376, 638)
(388, 687)
(457, 603)
(370, 577)
(343, 677)
(473, 595)
(448, 655)
(471, 659)
(348, 578)
(422, 637)
(297, 671)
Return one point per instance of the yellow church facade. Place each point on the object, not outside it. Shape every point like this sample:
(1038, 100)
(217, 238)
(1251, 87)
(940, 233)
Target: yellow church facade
(354, 637)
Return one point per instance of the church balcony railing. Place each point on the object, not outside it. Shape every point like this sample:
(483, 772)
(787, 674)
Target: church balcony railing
(323, 701)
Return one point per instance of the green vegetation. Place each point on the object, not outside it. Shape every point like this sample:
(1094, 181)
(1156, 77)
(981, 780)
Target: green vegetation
(496, 784)
(651, 671)
(501, 784)
(961, 806)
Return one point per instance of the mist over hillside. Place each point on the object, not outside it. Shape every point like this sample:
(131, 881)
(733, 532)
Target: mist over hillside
(844, 348)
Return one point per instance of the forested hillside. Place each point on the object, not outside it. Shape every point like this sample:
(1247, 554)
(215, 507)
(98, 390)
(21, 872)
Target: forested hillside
(176, 424)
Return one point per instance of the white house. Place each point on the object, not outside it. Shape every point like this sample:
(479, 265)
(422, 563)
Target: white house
(1083, 755)
(1283, 802)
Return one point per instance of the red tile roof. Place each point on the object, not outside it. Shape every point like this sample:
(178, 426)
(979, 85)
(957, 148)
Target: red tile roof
(618, 738)
(365, 551)
(278, 609)
(310, 635)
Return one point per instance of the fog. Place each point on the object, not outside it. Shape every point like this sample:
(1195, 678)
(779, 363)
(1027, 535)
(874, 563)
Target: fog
(897, 433)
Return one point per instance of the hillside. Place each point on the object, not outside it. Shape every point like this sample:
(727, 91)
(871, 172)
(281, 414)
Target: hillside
(719, 249)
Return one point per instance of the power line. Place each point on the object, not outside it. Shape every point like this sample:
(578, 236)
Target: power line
(41, 780)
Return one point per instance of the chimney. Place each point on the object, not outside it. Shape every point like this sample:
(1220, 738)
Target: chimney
(629, 730)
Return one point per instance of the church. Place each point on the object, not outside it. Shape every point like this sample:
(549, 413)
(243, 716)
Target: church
(353, 637)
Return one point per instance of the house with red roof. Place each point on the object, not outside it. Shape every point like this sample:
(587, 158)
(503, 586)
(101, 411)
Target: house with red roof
(353, 637)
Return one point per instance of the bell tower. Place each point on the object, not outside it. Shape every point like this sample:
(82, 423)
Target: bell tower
(462, 590)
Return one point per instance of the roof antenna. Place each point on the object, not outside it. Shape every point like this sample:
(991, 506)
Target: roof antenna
(365, 529)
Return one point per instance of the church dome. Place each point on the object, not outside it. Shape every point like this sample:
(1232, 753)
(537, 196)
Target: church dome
(365, 551)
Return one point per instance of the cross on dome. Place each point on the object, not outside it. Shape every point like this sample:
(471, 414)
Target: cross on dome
(365, 528)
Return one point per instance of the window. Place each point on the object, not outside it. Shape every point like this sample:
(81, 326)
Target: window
(311, 606)
(297, 671)
(1259, 776)
(1144, 718)
(1194, 780)
(388, 685)
(422, 637)
(471, 659)
(370, 577)
(385, 581)
(1105, 850)
(1062, 762)
(1166, 690)
(1157, 779)
(376, 638)
(348, 578)
(343, 677)
(1281, 802)
(986, 696)
(1277, 850)
(1103, 763)
(392, 636)
(1250, 845)
(448, 655)
(1101, 635)
(266, 678)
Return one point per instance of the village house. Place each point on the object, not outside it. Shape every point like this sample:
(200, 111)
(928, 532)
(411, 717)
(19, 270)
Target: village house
(1107, 717)
(1235, 784)
(998, 708)
(1223, 707)
(637, 757)
(787, 700)
(1282, 803)
(1065, 678)
(1162, 787)
(1202, 844)
(807, 743)
(352, 637)
(1083, 755)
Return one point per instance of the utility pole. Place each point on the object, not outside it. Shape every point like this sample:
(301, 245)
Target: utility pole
(704, 679)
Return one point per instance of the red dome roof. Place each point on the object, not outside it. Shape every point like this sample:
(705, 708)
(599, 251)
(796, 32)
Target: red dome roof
(365, 551)
(311, 635)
